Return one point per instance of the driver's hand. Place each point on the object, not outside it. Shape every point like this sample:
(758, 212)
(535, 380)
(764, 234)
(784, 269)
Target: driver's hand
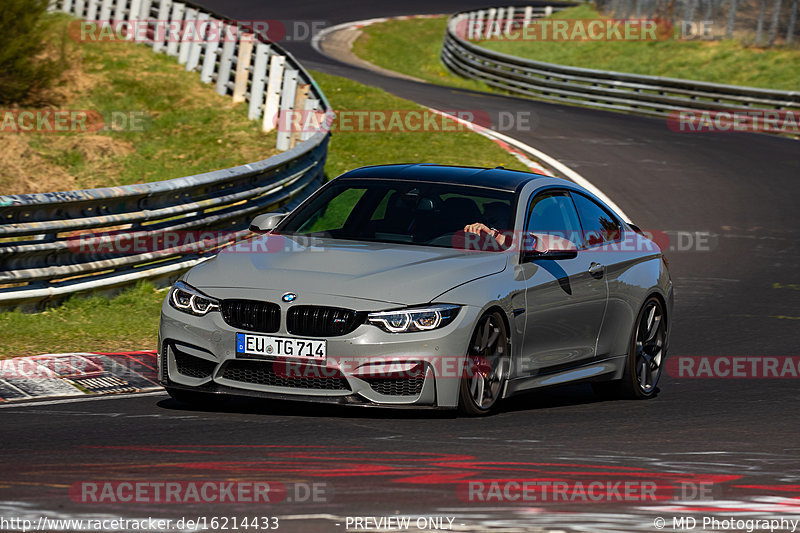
(478, 228)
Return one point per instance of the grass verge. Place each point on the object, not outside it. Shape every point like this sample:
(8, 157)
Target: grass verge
(413, 47)
(159, 122)
(130, 320)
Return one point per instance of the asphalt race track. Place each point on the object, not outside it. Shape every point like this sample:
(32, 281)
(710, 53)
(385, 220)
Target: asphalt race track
(712, 446)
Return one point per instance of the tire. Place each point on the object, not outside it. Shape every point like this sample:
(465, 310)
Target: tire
(487, 366)
(646, 356)
(196, 399)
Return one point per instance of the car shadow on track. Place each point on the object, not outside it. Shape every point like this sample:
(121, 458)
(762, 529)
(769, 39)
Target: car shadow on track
(569, 395)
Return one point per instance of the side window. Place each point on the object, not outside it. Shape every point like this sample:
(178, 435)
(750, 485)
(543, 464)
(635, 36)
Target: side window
(553, 213)
(599, 225)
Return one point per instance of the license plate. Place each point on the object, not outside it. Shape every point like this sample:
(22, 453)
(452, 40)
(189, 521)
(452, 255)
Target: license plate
(309, 349)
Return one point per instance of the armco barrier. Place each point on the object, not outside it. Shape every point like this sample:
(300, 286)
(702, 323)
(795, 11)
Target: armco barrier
(39, 259)
(649, 95)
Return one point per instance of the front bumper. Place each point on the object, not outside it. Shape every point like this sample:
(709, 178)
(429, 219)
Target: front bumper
(365, 367)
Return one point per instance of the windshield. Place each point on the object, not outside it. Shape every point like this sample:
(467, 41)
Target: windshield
(430, 214)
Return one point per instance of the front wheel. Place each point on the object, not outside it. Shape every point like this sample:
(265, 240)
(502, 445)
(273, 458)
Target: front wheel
(487, 366)
(646, 355)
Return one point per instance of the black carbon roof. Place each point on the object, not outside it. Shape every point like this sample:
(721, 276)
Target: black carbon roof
(495, 178)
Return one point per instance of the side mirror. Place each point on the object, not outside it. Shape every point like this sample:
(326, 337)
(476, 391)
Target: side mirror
(546, 246)
(266, 222)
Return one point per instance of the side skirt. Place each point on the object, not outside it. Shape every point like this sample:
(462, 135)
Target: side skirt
(604, 370)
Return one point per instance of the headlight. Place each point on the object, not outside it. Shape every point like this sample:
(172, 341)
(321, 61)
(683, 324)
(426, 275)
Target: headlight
(186, 298)
(417, 319)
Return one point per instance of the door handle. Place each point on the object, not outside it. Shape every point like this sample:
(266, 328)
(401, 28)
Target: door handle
(596, 270)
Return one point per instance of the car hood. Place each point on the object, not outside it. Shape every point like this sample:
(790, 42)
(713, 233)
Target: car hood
(392, 273)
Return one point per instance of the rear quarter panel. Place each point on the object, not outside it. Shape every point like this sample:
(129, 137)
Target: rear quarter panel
(632, 274)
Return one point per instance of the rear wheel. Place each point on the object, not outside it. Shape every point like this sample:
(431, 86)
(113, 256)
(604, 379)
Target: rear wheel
(487, 366)
(646, 356)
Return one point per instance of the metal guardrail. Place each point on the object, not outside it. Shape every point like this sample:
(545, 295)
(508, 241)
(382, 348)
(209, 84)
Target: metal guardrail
(56, 244)
(649, 95)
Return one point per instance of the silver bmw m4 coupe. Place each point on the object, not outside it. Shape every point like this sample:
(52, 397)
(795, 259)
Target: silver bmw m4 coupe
(423, 286)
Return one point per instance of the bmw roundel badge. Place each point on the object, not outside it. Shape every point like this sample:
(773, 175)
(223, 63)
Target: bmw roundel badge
(289, 297)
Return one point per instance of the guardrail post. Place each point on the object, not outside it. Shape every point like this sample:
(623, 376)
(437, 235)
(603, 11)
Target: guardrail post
(188, 35)
(52, 5)
(276, 67)
(216, 29)
(510, 14)
(548, 10)
(66, 7)
(310, 107)
(243, 67)
(470, 20)
(299, 113)
(162, 27)
(78, 8)
(105, 10)
(175, 28)
(478, 27)
(490, 17)
(498, 27)
(528, 15)
(285, 119)
(199, 38)
(144, 10)
(91, 9)
(259, 81)
(792, 21)
(230, 36)
(119, 11)
(133, 17)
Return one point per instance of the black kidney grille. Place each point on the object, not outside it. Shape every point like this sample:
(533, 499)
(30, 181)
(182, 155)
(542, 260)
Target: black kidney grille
(193, 367)
(318, 321)
(264, 373)
(252, 315)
